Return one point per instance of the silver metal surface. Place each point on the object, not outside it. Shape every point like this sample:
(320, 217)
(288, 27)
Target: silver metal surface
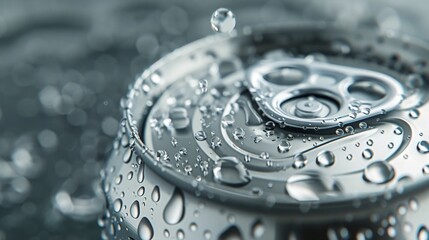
(275, 134)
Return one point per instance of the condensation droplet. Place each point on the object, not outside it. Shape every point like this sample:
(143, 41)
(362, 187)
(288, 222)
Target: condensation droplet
(175, 208)
(117, 205)
(423, 147)
(367, 154)
(135, 209)
(145, 229)
(230, 171)
(200, 136)
(423, 233)
(127, 155)
(284, 146)
(156, 195)
(379, 172)
(258, 229)
(325, 159)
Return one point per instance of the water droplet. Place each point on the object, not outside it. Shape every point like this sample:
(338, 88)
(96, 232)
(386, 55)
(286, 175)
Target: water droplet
(284, 146)
(339, 132)
(175, 209)
(180, 234)
(223, 20)
(379, 172)
(423, 147)
(215, 142)
(127, 155)
(398, 131)
(232, 233)
(239, 133)
(145, 229)
(140, 173)
(414, 114)
(426, 169)
(156, 195)
(228, 120)
(135, 209)
(140, 191)
(200, 136)
(117, 205)
(350, 129)
(300, 161)
(363, 125)
(367, 154)
(390, 145)
(369, 142)
(349, 157)
(311, 187)
(257, 139)
(270, 125)
(325, 159)
(230, 171)
(258, 229)
(423, 233)
(203, 85)
(193, 227)
(264, 155)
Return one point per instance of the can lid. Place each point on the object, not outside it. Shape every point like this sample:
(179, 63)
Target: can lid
(284, 117)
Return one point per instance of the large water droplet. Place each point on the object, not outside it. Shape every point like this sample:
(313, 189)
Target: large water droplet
(311, 187)
(258, 229)
(325, 159)
(423, 147)
(230, 171)
(223, 20)
(379, 172)
(135, 209)
(175, 209)
(156, 195)
(145, 229)
(232, 233)
(423, 233)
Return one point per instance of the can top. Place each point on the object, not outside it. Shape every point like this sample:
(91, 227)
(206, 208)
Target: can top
(285, 116)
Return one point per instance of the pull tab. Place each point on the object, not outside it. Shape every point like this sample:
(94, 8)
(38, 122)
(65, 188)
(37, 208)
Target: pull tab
(299, 93)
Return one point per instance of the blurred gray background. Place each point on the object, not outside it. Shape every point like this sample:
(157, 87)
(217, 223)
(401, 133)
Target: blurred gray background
(64, 66)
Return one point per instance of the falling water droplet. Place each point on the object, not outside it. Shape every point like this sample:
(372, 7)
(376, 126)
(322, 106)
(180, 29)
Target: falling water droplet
(223, 20)
(135, 209)
(379, 172)
(145, 229)
(423, 147)
(175, 209)
(230, 171)
(155, 194)
(325, 159)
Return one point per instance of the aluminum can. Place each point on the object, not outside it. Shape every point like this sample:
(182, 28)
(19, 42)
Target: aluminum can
(291, 132)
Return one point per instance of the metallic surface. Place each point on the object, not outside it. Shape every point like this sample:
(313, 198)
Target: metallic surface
(213, 165)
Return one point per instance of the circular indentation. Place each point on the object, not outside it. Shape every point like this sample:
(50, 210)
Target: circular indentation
(367, 89)
(310, 106)
(286, 76)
